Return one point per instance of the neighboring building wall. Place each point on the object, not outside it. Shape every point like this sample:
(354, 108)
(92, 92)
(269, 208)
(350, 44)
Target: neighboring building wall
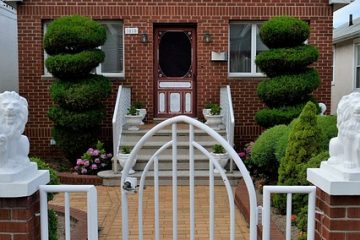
(9, 77)
(343, 83)
(212, 16)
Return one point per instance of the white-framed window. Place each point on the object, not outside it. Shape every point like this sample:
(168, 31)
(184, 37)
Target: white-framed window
(357, 65)
(244, 45)
(113, 65)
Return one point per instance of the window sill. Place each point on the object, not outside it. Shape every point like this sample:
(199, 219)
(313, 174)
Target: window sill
(111, 78)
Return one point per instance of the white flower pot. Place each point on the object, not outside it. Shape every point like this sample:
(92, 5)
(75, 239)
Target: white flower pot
(222, 159)
(206, 113)
(142, 112)
(215, 121)
(123, 158)
(133, 122)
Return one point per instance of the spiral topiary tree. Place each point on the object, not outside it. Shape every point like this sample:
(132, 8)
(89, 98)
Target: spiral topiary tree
(71, 43)
(286, 64)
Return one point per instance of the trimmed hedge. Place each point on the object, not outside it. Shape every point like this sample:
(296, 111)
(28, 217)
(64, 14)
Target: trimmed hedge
(74, 65)
(284, 115)
(288, 89)
(263, 152)
(80, 95)
(77, 120)
(284, 31)
(75, 141)
(286, 60)
(73, 34)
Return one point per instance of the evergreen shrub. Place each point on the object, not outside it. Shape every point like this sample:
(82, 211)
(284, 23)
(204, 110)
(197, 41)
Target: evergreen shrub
(284, 31)
(73, 34)
(303, 145)
(80, 95)
(263, 152)
(74, 65)
(286, 60)
(291, 89)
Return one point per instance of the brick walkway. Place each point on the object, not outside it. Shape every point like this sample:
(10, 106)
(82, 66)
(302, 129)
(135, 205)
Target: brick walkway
(109, 206)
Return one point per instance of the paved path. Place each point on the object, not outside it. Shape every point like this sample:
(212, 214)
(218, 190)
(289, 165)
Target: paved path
(109, 206)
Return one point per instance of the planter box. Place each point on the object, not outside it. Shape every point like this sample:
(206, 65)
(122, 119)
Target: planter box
(69, 178)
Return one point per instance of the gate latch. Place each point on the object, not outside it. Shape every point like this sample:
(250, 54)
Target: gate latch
(130, 185)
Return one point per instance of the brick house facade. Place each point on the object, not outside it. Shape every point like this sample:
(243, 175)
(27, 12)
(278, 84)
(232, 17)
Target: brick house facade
(210, 16)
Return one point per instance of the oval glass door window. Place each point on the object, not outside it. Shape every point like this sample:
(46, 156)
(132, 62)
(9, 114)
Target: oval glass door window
(175, 54)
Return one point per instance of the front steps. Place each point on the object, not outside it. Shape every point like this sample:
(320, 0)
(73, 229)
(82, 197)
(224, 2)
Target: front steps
(130, 138)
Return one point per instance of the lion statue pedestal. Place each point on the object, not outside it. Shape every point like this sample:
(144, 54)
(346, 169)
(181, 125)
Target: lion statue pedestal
(18, 176)
(340, 175)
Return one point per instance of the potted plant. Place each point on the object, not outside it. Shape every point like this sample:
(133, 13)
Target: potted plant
(142, 111)
(206, 110)
(123, 157)
(220, 155)
(133, 118)
(214, 119)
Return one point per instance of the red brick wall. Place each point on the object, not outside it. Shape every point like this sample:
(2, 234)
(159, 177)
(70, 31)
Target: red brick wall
(17, 218)
(207, 15)
(340, 218)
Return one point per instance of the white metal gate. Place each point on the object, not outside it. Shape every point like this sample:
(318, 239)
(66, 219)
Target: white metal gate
(127, 186)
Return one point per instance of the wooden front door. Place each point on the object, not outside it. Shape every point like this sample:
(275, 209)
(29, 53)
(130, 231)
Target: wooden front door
(174, 71)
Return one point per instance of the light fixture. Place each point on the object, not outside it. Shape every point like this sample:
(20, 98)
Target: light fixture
(207, 37)
(144, 38)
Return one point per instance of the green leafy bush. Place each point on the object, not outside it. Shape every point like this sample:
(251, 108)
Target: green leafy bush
(81, 95)
(215, 109)
(292, 82)
(284, 31)
(286, 60)
(303, 145)
(54, 180)
(218, 149)
(328, 128)
(77, 120)
(288, 89)
(75, 64)
(270, 117)
(71, 42)
(73, 34)
(263, 152)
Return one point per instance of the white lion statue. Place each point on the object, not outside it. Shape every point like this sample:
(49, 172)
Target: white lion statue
(14, 147)
(345, 148)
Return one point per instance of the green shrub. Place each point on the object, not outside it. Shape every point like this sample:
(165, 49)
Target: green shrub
(278, 61)
(288, 89)
(53, 223)
(303, 145)
(284, 31)
(81, 95)
(73, 34)
(328, 128)
(74, 65)
(73, 142)
(218, 149)
(284, 115)
(77, 120)
(263, 152)
(215, 109)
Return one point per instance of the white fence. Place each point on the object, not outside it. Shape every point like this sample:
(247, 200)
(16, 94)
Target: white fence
(123, 102)
(92, 217)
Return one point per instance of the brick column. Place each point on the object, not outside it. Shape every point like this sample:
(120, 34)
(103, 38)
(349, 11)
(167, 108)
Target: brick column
(340, 218)
(19, 219)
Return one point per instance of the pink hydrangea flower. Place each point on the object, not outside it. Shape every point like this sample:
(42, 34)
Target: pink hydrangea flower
(79, 162)
(97, 160)
(83, 171)
(103, 156)
(95, 152)
(86, 163)
(93, 166)
(242, 154)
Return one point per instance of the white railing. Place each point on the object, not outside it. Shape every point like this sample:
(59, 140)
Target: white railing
(126, 186)
(289, 190)
(92, 224)
(123, 102)
(229, 119)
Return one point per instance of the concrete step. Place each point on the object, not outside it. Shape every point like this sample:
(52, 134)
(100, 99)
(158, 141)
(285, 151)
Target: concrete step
(201, 162)
(165, 138)
(165, 178)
